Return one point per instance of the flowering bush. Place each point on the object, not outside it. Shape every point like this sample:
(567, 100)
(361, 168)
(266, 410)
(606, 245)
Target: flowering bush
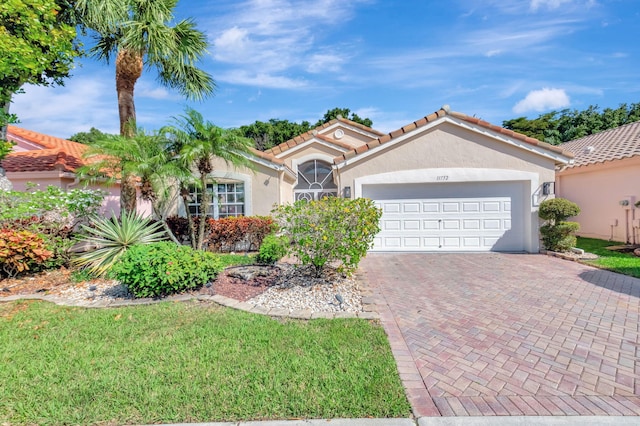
(54, 206)
(332, 230)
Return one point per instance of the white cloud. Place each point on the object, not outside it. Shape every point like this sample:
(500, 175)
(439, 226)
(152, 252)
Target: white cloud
(550, 4)
(146, 90)
(76, 107)
(321, 63)
(263, 80)
(542, 100)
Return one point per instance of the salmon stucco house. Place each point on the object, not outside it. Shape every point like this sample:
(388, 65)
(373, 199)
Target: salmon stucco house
(46, 160)
(446, 182)
(604, 182)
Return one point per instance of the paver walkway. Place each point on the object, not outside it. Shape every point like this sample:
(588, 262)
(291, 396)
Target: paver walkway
(509, 334)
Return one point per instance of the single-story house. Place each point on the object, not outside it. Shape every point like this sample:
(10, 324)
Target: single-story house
(45, 160)
(446, 182)
(603, 182)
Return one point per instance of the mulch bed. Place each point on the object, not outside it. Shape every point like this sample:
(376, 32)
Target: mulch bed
(55, 281)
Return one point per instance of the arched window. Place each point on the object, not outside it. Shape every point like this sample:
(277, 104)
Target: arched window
(315, 181)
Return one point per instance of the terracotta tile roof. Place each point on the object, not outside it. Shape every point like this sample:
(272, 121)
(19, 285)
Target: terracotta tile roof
(266, 156)
(442, 112)
(56, 153)
(300, 139)
(609, 145)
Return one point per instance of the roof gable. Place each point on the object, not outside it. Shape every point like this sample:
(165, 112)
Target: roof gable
(444, 114)
(323, 133)
(609, 145)
(43, 152)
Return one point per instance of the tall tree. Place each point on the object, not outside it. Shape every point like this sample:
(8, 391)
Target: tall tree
(197, 142)
(274, 132)
(562, 126)
(344, 113)
(142, 33)
(37, 45)
(89, 138)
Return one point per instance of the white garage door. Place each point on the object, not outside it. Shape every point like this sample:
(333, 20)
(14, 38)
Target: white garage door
(450, 217)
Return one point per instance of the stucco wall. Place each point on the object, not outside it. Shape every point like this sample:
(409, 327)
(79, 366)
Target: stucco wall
(350, 137)
(262, 185)
(597, 189)
(449, 146)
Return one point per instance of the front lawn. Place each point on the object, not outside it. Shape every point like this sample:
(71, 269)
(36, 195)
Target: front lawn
(623, 263)
(188, 362)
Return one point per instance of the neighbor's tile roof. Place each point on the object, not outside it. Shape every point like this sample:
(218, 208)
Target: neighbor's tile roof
(614, 144)
(300, 139)
(56, 153)
(438, 115)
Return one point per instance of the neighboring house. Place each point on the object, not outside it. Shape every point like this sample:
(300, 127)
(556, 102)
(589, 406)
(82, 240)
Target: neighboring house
(604, 182)
(446, 182)
(46, 160)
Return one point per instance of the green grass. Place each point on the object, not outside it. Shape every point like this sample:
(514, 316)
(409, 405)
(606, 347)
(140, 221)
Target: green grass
(188, 362)
(236, 259)
(623, 263)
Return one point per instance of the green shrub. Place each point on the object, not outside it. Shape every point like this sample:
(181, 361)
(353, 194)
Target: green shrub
(20, 251)
(557, 210)
(164, 268)
(557, 233)
(273, 248)
(111, 238)
(330, 231)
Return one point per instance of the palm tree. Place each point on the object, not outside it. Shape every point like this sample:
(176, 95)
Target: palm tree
(197, 142)
(145, 160)
(141, 33)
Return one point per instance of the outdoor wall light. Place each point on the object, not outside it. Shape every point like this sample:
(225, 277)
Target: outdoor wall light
(548, 188)
(346, 192)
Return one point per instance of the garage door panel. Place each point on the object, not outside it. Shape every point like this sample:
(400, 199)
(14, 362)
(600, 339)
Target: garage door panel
(430, 207)
(411, 225)
(411, 207)
(453, 224)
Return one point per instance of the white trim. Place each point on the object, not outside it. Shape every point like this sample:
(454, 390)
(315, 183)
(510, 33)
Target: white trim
(263, 162)
(451, 120)
(435, 176)
(312, 141)
(309, 157)
(353, 128)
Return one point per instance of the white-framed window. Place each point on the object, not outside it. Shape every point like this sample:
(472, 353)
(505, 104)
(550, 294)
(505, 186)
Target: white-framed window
(227, 199)
(315, 181)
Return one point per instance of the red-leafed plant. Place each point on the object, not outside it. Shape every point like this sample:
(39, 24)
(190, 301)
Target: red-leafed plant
(20, 251)
(238, 233)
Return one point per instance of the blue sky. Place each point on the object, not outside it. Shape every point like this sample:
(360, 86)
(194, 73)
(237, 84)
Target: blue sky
(391, 61)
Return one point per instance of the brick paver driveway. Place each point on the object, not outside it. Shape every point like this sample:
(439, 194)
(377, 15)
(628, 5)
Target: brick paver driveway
(509, 334)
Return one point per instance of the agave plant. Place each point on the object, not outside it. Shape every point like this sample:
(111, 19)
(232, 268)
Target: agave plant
(111, 239)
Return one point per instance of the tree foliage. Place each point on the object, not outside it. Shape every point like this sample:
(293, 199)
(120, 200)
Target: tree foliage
(89, 138)
(562, 126)
(344, 113)
(37, 45)
(271, 133)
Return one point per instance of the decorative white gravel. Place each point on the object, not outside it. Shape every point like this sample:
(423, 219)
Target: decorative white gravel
(317, 298)
(97, 290)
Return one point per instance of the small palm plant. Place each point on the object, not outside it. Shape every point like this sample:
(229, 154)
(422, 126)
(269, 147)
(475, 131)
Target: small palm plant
(112, 238)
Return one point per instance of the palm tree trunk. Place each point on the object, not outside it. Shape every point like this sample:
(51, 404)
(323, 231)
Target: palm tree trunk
(128, 69)
(204, 211)
(184, 192)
